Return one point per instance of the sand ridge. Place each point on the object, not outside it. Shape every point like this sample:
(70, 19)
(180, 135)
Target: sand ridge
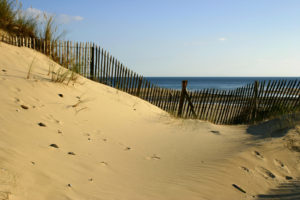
(89, 141)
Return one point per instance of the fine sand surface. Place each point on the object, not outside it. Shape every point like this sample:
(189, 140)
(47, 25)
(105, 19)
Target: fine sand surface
(89, 141)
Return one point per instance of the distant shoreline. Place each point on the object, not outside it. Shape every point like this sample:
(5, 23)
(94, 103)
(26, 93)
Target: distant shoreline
(223, 83)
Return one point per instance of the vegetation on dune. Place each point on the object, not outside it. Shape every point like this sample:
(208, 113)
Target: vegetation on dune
(16, 22)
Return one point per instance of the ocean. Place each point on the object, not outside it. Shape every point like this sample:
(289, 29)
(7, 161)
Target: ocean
(223, 83)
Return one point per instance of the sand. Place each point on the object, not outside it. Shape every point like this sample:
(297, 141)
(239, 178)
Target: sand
(86, 140)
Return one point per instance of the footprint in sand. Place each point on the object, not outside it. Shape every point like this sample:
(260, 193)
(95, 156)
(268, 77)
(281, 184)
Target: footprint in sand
(238, 188)
(288, 178)
(281, 165)
(24, 107)
(42, 124)
(215, 132)
(266, 173)
(17, 100)
(50, 117)
(54, 146)
(4, 195)
(127, 149)
(245, 169)
(6, 178)
(153, 157)
(16, 89)
(258, 155)
(104, 164)
(88, 135)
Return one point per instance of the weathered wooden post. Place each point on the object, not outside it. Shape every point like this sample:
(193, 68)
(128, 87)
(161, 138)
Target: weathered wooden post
(92, 62)
(183, 91)
(254, 106)
(139, 86)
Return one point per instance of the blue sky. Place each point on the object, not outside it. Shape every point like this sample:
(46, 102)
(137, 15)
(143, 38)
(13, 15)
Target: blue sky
(188, 38)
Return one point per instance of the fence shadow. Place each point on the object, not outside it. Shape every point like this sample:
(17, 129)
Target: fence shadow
(285, 191)
(277, 127)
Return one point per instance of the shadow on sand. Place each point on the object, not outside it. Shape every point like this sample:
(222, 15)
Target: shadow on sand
(285, 191)
(277, 127)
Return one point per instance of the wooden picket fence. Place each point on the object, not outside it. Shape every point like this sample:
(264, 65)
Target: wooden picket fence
(253, 102)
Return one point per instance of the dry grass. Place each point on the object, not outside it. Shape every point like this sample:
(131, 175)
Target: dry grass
(62, 75)
(30, 67)
(16, 22)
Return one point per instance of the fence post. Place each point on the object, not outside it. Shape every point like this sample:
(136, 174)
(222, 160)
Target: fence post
(92, 63)
(254, 106)
(183, 91)
(139, 86)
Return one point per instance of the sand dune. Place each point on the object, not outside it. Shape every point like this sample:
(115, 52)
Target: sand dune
(89, 141)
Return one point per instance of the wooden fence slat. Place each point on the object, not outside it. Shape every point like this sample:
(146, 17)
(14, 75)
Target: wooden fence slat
(97, 63)
(203, 99)
(139, 86)
(214, 105)
(208, 112)
(112, 73)
(130, 82)
(193, 96)
(217, 106)
(234, 105)
(127, 80)
(220, 107)
(265, 98)
(147, 91)
(295, 94)
(101, 79)
(122, 76)
(160, 97)
(290, 96)
(104, 67)
(206, 104)
(172, 102)
(226, 116)
(115, 73)
(135, 82)
(167, 100)
(241, 94)
(277, 93)
(296, 104)
(109, 71)
(156, 93)
(119, 75)
(270, 94)
(183, 89)
(153, 94)
(287, 92)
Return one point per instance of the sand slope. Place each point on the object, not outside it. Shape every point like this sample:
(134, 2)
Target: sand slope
(115, 146)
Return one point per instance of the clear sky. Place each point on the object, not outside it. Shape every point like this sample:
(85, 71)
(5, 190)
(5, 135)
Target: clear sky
(187, 38)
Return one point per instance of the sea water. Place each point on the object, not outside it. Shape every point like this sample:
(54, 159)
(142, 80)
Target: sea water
(223, 83)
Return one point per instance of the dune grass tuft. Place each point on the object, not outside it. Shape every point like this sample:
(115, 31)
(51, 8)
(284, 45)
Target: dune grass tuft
(16, 22)
(30, 67)
(62, 75)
